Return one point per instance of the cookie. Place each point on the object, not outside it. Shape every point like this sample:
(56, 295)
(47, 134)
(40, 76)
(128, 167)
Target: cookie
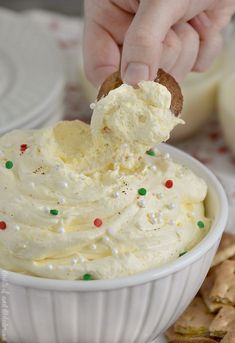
(172, 335)
(194, 340)
(195, 320)
(114, 81)
(226, 249)
(223, 290)
(205, 293)
(229, 337)
(172, 85)
(223, 323)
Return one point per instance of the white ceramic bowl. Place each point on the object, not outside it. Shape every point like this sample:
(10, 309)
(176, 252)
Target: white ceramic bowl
(126, 310)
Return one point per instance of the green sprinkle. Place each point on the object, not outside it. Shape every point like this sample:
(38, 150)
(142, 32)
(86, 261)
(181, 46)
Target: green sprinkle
(142, 191)
(87, 277)
(54, 212)
(182, 253)
(200, 224)
(9, 165)
(150, 152)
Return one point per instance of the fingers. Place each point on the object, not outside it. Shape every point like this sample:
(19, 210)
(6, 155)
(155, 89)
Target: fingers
(208, 25)
(208, 51)
(143, 45)
(220, 14)
(197, 6)
(210, 41)
(171, 51)
(189, 50)
(152, 39)
(101, 54)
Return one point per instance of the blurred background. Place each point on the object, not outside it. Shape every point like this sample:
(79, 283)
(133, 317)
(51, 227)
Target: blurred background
(62, 21)
(69, 7)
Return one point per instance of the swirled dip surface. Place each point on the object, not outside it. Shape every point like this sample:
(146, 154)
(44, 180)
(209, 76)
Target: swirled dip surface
(81, 199)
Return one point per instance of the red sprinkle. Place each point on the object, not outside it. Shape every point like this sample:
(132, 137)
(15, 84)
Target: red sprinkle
(23, 147)
(98, 222)
(214, 136)
(205, 160)
(169, 184)
(3, 225)
(223, 149)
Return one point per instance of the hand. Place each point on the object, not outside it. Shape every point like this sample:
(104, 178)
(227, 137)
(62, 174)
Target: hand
(140, 36)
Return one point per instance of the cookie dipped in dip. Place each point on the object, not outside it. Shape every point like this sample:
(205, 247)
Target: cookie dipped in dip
(100, 201)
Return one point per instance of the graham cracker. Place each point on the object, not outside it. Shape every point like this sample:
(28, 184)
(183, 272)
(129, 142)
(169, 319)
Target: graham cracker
(174, 337)
(223, 290)
(195, 320)
(229, 337)
(205, 293)
(226, 249)
(195, 340)
(223, 323)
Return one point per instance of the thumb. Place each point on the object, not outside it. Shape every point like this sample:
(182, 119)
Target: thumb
(143, 46)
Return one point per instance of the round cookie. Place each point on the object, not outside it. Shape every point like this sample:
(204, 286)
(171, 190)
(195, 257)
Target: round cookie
(114, 81)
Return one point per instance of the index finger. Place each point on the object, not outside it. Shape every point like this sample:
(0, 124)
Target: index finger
(143, 42)
(101, 53)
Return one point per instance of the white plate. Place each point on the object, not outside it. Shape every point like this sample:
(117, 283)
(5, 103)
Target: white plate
(45, 116)
(54, 119)
(30, 68)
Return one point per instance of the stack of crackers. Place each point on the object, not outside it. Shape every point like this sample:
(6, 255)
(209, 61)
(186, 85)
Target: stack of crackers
(210, 318)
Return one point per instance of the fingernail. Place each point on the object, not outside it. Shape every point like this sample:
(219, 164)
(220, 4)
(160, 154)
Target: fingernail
(204, 19)
(136, 72)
